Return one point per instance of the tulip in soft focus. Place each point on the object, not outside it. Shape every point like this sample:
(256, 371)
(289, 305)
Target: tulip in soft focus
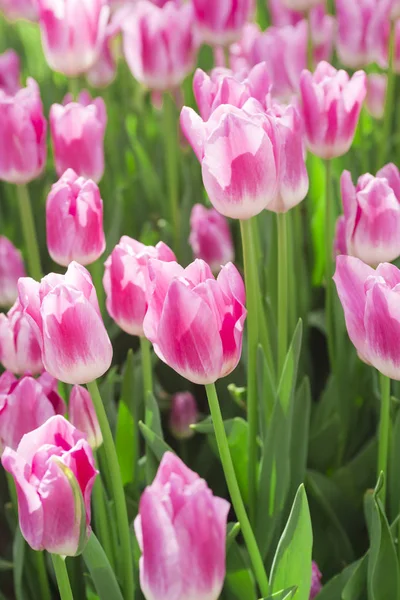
(19, 9)
(316, 585)
(376, 95)
(20, 350)
(74, 220)
(181, 531)
(83, 415)
(371, 221)
(183, 414)
(25, 404)
(54, 472)
(331, 102)
(281, 15)
(160, 44)
(11, 269)
(10, 71)
(221, 23)
(65, 315)
(72, 33)
(104, 70)
(24, 127)
(77, 133)
(210, 237)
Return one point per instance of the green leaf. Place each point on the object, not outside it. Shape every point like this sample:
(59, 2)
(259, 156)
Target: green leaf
(287, 384)
(283, 594)
(356, 586)
(126, 438)
(239, 579)
(18, 560)
(299, 437)
(292, 563)
(153, 418)
(6, 565)
(334, 588)
(233, 532)
(394, 479)
(100, 570)
(154, 441)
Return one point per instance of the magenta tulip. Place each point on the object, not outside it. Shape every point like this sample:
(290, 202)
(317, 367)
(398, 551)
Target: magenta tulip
(83, 415)
(281, 15)
(376, 95)
(183, 414)
(221, 23)
(10, 72)
(11, 269)
(210, 237)
(181, 530)
(19, 9)
(104, 70)
(54, 472)
(316, 585)
(20, 350)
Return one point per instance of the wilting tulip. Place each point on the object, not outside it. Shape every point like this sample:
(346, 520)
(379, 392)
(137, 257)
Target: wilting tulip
(160, 44)
(77, 132)
(11, 269)
(72, 33)
(10, 72)
(65, 313)
(183, 414)
(376, 95)
(54, 472)
(210, 237)
(24, 127)
(181, 530)
(316, 585)
(20, 350)
(331, 104)
(221, 23)
(25, 404)
(83, 415)
(19, 9)
(74, 220)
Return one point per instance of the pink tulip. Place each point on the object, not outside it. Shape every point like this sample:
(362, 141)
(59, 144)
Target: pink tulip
(160, 44)
(181, 530)
(221, 23)
(24, 127)
(24, 406)
(281, 15)
(183, 414)
(64, 312)
(77, 133)
(11, 269)
(10, 71)
(127, 284)
(210, 237)
(74, 220)
(195, 322)
(376, 95)
(19, 9)
(371, 221)
(20, 350)
(83, 415)
(331, 106)
(72, 33)
(301, 5)
(104, 70)
(316, 585)
(54, 472)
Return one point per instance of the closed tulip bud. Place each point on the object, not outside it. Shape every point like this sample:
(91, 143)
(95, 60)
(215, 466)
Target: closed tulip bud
(20, 350)
(24, 127)
(24, 406)
(183, 414)
(376, 95)
(64, 310)
(14, 10)
(221, 23)
(181, 529)
(72, 33)
(316, 585)
(210, 237)
(77, 133)
(83, 415)
(53, 469)
(11, 269)
(160, 44)
(331, 104)
(127, 283)
(74, 220)
(10, 72)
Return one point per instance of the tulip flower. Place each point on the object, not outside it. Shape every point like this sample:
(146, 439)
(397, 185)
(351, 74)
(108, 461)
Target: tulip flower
(376, 95)
(77, 133)
(24, 406)
(24, 127)
(74, 220)
(331, 102)
(19, 9)
(10, 71)
(221, 23)
(54, 472)
(281, 15)
(183, 414)
(104, 70)
(210, 237)
(371, 220)
(127, 284)
(83, 415)
(72, 33)
(65, 313)
(11, 268)
(160, 44)
(181, 530)
(316, 585)
(20, 350)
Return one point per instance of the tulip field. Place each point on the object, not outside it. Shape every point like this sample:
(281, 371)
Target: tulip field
(200, 299)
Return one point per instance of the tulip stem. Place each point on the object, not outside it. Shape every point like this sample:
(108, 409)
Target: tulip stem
(252, 292)
(29, 231)
(151, 466)
(328, 261)
(310, 55)
(41, 575)
(61, 572)
(101, 516)
(384, 146)
(384, 432)
(282, 290)
(117, 490)
(171, 164)
(234, 491)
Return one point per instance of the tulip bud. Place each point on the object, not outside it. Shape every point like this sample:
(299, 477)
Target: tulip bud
(183, 414)
(210, 237)
(10, 71)
(189, 523)
(54, 473)
(77, 133)
(221, 24)
(11, 269)
(331, 104)
(20, 350)
(83, 415)
(376, 95)
(72, 33)
(74, 220)
(24, 127)
(19, 9)
(316, 576)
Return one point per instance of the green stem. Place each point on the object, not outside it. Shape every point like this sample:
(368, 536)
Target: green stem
(41, 575)
(252, 293)
(234, 491)
(282, 290)
(151, 466)
(100, 570)
(73, 87)
(117, 490)
(97, 271)
(310, 55)
(384, 145)
(172, 164)
(329, 261)
(101, 517)
(29, 231)
(61, 572)
(384, 432)
(227, 56)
